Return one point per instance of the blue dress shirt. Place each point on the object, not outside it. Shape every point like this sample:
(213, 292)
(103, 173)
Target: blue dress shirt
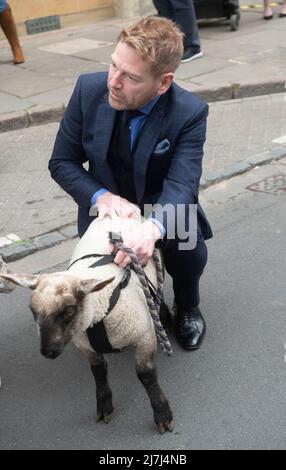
(136, 124)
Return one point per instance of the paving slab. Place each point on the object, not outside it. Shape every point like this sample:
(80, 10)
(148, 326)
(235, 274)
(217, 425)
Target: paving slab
(235, 74)
(101, 54)
(30, 202)
(47, 240)
(238, 129)
(201, 67)
(60, 66)
(53, 97)
(10, 103)
(74, 46)
(109, 33)
(26, 83)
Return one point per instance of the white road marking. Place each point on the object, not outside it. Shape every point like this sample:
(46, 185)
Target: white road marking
(9, 239)
(280, 140)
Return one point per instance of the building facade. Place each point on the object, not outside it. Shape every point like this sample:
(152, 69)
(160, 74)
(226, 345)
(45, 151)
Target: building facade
(52, 14)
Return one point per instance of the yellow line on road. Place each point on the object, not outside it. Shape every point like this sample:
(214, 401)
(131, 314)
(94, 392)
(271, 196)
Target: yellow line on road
(251, 7)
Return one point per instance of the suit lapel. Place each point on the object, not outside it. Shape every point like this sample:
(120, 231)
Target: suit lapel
(148, 138)
(102, 135)
(147, 141)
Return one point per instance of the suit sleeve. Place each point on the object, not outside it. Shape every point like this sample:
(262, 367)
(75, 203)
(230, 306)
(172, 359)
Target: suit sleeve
(181, 185)
(68, 156)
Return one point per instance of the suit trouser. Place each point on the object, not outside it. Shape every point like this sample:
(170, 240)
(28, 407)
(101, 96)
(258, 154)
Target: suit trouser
(185, 267)
(183, 13)
(234, 3)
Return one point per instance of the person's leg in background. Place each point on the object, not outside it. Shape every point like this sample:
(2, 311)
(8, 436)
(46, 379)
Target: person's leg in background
(182, 12)
(164, 8)
(8, 26)
(282, 13)
(185, 17)
(234, 3)
(268, 13)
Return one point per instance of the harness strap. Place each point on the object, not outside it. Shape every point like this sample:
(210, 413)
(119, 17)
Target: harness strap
(98, 339)
(102, 261)
(116, 293)
(91, 255)
(152, 289)
(97, 333)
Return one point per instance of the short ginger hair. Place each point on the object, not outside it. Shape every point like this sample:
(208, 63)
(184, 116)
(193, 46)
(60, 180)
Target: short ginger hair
(156, 39)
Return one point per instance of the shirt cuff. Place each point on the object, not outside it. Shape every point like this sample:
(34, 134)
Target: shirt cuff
(96, 194)
(159, 225)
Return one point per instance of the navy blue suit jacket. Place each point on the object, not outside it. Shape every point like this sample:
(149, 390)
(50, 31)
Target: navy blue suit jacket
(167, 158)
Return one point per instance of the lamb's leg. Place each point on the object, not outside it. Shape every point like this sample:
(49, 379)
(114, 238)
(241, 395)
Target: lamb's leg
(147, 374)
(98, 367)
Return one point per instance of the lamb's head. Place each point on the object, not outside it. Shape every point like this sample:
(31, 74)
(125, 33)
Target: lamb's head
(56, 302)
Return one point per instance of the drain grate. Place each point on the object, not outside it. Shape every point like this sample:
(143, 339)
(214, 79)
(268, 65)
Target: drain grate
(40, 25)
(275, 184)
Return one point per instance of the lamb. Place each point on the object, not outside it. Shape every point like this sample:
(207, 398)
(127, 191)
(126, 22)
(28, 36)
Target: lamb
(66, 305)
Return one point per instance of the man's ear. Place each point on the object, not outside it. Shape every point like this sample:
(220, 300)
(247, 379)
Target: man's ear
(24, 280)
(86, 286)
(165, 83)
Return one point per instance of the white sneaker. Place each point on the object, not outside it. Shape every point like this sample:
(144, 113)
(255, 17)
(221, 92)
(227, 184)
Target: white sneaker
(188, 56)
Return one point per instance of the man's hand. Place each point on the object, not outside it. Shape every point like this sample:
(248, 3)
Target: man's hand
(141, 241)
(115, 206)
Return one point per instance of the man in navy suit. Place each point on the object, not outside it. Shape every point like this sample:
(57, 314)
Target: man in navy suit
(142, 136)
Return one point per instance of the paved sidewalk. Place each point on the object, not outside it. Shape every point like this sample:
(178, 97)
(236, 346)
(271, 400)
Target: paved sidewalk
(247, 62)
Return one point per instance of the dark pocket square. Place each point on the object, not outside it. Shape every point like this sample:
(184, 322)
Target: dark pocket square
(162, 147)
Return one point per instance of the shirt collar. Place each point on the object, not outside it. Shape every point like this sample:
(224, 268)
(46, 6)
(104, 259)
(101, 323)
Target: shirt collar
(147, 108)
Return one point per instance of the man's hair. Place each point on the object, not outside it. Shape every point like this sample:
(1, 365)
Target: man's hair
(156, 39)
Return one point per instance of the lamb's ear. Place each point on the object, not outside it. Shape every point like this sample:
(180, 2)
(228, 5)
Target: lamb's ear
(6, 286)
(24, 280)
(86, 286)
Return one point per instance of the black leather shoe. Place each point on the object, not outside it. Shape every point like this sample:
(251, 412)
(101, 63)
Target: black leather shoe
(190, 328)
(269, 17)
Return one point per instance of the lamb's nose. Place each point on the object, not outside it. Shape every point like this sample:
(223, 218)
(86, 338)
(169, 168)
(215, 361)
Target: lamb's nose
(50, 354)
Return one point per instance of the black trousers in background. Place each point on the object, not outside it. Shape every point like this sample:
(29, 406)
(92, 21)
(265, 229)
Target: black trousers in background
(182, 12)
(185, 267)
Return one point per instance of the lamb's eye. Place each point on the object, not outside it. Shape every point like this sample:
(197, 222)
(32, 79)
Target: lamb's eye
(69, 312)
(66, 315)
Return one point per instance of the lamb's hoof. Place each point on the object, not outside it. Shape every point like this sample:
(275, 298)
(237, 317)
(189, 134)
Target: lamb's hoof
(166, 426)
(105, 417)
